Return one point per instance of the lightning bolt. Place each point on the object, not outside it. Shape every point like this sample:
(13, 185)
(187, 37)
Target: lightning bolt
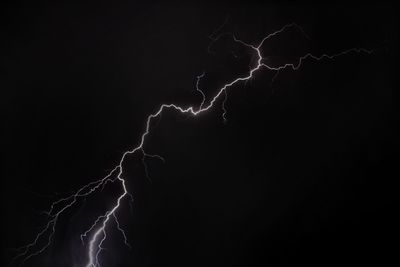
(98, 230)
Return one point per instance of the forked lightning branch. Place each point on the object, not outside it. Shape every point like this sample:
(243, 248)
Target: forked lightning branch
(93, 239)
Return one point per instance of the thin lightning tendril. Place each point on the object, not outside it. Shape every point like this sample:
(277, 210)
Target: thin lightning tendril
(224, 110)
(98, 229)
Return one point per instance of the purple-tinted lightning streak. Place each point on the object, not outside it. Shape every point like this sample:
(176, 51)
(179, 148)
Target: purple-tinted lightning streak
(98, 229)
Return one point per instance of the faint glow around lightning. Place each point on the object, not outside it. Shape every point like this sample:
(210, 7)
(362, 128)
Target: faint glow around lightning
(98, 230)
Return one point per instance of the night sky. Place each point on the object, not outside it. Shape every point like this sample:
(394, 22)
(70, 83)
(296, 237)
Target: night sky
(302, 172)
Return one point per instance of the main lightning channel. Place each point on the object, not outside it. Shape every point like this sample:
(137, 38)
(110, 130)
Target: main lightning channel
(99, 226)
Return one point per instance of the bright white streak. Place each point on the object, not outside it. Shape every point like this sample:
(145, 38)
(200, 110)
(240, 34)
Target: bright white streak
(100, 234)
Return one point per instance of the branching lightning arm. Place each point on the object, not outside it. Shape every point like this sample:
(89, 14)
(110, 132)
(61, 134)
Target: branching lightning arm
(97, 232)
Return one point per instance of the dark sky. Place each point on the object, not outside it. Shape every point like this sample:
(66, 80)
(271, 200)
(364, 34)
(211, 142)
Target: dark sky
(301, 173)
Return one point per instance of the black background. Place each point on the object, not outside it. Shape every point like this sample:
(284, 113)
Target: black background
(302, 172)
